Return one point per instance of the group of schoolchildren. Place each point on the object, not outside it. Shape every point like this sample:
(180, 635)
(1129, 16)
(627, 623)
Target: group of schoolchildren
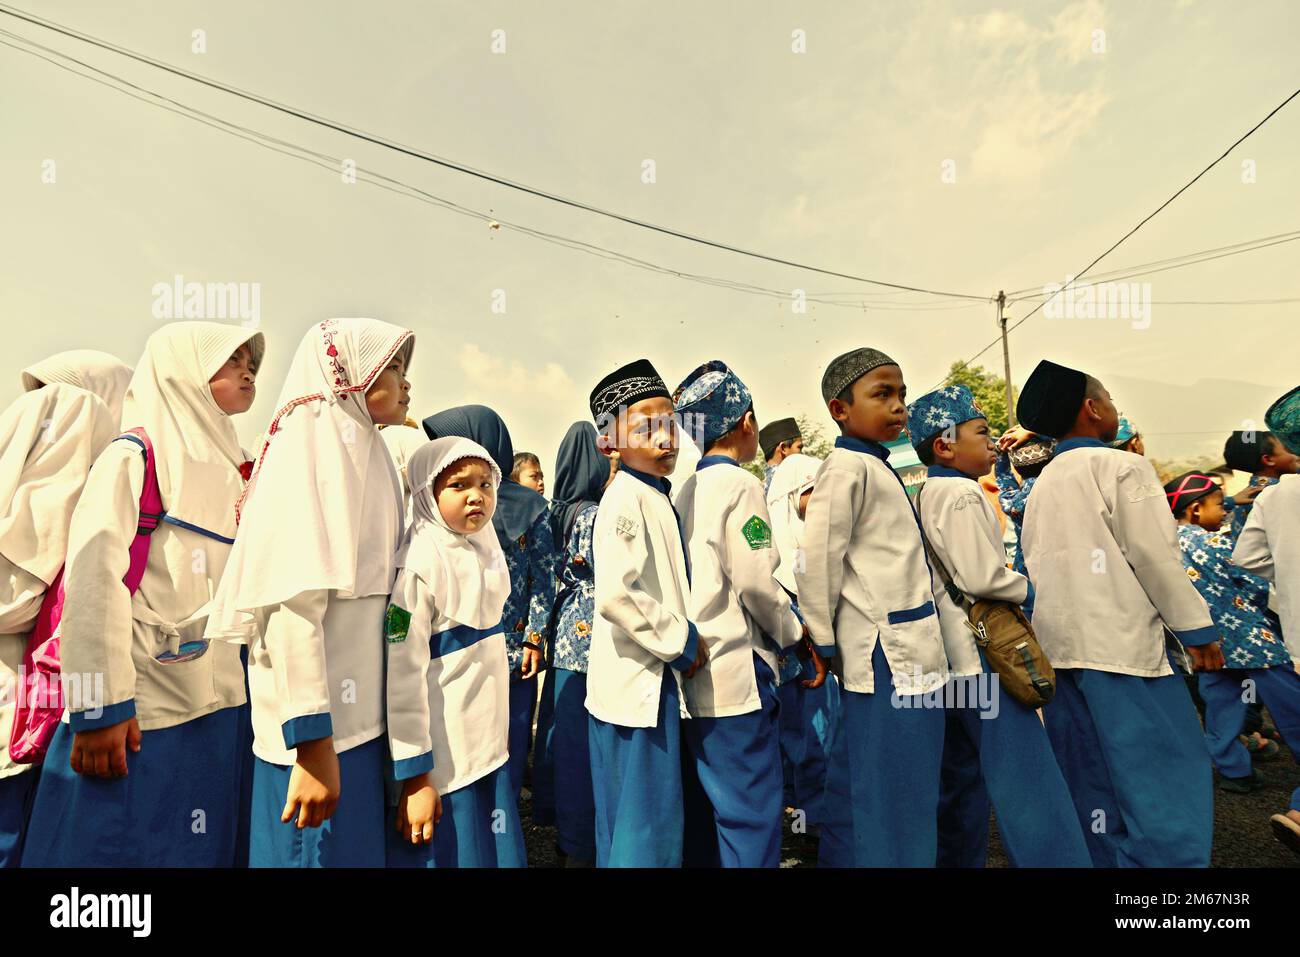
(330, 653)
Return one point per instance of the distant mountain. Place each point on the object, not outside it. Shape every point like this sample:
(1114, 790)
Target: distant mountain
(1180, 420)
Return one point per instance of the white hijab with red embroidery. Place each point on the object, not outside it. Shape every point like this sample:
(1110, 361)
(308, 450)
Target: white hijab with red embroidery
(323, 509)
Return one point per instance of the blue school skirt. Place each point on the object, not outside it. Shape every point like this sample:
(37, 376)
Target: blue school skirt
(178, 806)
(353, 837)
(479, 828)
(17, 792)
(523, 700)
(562, 789)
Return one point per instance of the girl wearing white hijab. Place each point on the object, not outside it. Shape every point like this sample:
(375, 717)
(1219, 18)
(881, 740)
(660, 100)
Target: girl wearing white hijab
(306, 586)
(51, 436)
(808, 714)
(144, 771)
(95, 372)
(448, 676)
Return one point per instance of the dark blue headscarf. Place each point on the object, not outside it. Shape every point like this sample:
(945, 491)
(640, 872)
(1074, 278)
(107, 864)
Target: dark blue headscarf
(580, 476)
(517, 506)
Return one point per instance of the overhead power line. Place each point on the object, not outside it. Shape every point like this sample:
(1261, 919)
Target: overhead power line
(1082, 272)
(455, 166)
(858, 299)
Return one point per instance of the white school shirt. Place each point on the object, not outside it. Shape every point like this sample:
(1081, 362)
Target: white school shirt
(735, 601)
(1269, 546)
(107, 632)
(316, 669)
(865, 576)
(448, 692)
(21, 594)
(1102, 550)
(642, 594)
(964, 533)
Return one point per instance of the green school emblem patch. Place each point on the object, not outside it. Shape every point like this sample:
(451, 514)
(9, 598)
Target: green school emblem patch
(397, 621)
(757, 533)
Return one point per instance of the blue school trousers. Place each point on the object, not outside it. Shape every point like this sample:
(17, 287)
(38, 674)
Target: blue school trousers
(562, 788)
(523, 699)
(882, 780)
(636, 776)
(737, 762)
(1136, 763)
(352, 837)
(996, 750)
(178, 805)
(1225, 709)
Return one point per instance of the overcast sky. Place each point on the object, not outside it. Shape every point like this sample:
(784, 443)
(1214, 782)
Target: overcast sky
(961, 147)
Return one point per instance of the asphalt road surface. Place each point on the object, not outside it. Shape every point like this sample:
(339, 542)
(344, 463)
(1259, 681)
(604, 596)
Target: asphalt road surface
(1242, 837)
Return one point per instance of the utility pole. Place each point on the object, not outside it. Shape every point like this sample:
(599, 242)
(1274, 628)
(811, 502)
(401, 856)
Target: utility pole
(1006, 356)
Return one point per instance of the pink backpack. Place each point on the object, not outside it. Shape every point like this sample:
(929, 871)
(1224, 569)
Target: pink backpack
(40, 693)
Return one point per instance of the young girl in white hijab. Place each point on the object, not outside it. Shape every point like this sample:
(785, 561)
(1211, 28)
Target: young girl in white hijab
(307, 585)
(144, 771)
(51, 435)
(448, 677)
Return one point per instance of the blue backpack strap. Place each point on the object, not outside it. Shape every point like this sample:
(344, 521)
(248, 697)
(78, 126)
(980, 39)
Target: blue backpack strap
(148, 520)
(171, 520)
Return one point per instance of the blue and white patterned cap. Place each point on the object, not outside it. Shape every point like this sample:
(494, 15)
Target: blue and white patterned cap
(1283, 420)
(938, 410)
(1125, 432)
(711, 401)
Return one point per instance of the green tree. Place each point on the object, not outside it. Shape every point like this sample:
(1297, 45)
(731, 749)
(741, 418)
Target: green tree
(990, 391)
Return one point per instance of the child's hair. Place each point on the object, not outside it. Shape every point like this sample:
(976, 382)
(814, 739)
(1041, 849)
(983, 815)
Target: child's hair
(523, 459)
(1247, 456)
(926, 452)
(731, 431)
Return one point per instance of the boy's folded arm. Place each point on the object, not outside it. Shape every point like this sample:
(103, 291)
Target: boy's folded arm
(1251, 551)
(295, 645)
(623, 601)
(978, 563)
(751, 559)
(828, 527)
(1145, 531)
(407, 627)
(96, 627)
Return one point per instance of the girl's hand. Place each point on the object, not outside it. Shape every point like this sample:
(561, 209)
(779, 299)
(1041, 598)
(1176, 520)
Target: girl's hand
(313, 784)
(419, 809)
(532, 662)
(701, 659)
(819, 664)
(1014, 437)
(102, 753)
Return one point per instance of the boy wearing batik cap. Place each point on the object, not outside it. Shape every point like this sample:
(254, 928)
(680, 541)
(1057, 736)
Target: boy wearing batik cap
(1269, 546)
(778, 440)
(994, 747)
(1102, 552)
(745, 619)
(643, 643)
(866, 586)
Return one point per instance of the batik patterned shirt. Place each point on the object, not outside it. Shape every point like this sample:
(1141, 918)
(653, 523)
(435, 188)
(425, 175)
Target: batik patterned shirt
(575, 598)
(1249, 634)
(531, 560)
